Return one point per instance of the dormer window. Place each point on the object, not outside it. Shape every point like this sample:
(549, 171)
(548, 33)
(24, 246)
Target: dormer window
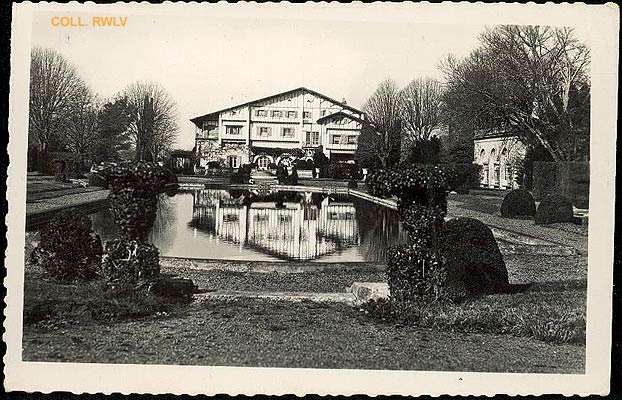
(277, 114)
(261, 113)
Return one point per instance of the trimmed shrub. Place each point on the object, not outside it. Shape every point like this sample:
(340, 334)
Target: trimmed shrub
(518, 203)
(214, 165)
(352, 184)
(304, 164)
(472, 258)
(415, 273)
(554, 208)
(463, 177)
(281, 174)
(292, 179)
(69, 250)
(130, 263)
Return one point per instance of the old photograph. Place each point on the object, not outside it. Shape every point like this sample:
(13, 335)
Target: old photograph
(313, 189)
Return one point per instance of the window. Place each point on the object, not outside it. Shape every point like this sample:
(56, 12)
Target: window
(233, 161)
(352, 139)
(336, 139)
(264, 131)
(312, 138)
(233, 130)
(277, 114)
(306, 114)
(292, 114)
(261, 113)
(287, 132)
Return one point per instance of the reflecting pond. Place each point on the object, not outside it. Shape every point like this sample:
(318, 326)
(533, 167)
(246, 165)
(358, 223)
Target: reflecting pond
(277, 226)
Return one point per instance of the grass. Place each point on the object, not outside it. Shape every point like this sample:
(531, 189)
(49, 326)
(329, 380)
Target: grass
(552, 312)
(265, 333)
(49, 302)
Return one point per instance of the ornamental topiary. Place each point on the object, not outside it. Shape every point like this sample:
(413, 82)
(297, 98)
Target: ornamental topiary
(554, 208)
(68, 250)
(518, 203)
(415, 273)
(473, 261)
(130, 260)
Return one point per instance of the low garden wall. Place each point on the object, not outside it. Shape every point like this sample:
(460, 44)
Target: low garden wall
(570, 179)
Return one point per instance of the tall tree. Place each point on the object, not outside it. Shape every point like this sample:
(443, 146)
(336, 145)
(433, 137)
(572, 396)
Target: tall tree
(113, 125)
(531, 78)
(153, 119)
(383, 111)
(81, 132)
(421, 108)
(55, 87)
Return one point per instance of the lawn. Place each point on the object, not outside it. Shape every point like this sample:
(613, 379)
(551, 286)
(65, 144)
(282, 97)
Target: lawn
(501, 333)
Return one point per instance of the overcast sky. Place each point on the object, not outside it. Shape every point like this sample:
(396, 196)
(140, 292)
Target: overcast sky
(207, 63)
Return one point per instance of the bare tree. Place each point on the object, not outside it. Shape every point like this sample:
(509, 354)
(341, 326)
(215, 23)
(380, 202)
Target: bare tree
(82, 133)
(421, 108)
(383, 111)
(531, 78)
(55, 86)
(153, 119)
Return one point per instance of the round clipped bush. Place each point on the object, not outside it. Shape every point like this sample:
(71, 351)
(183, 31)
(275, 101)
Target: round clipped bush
(473, 261)
(69, 250)
(518, 203)
(554, 208)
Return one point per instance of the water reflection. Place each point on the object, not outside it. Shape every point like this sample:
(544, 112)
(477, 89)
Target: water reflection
(246, 225)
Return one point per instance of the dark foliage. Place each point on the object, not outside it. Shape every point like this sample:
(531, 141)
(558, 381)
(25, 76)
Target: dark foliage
(134, 212)
(352, 184)
(304, 164)
(463, 177)
(272, 166)
(426, 151)
(554, 208)
(281, 174)
(415, 273)
(518, 203)
(292, 179)
(319, 158)
(130, 263)
(537, 153)
(473, 261)
(214, 165)
(69, 250)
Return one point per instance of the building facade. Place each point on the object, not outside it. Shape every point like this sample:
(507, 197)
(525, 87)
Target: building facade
(500, 152)
(278, 129)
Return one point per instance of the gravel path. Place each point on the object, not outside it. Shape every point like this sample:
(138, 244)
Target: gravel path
(526, 227)
(69, 200)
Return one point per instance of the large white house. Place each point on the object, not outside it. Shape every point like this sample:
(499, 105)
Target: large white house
(278, 129)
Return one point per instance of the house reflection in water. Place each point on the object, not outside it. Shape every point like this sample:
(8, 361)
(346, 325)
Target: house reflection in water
(286, 225)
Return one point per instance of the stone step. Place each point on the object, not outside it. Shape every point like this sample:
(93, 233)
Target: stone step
(347, 298)
(365, 291)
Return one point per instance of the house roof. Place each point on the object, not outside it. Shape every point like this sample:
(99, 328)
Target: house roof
(488, 133)
(199, 119)
(352, 117)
